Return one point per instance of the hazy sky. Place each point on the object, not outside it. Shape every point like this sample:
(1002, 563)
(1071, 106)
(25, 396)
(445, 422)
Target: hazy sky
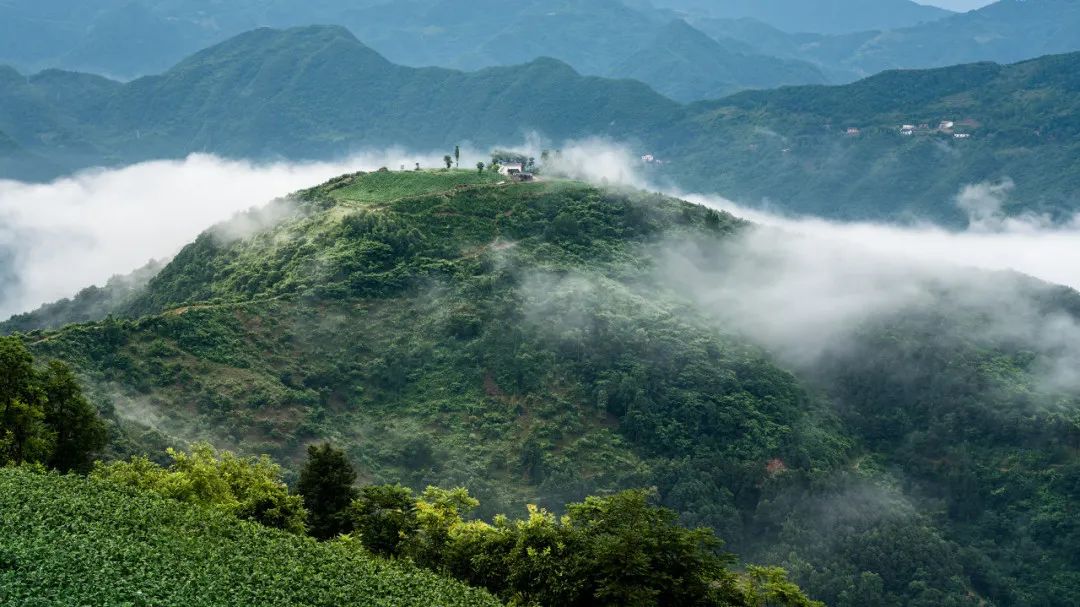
(957, 5)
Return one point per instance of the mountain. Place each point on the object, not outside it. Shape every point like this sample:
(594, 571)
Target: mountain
(70, 540)
(1004, 32)
(312, 92)
(134, 38)
(319, 93)
(687, 65)
(791, 146)
(819, 16)
(840, 39)
(536, 342)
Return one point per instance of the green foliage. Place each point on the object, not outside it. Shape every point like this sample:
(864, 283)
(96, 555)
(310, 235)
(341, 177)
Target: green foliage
(326, 485)
(249, 488)
(72, 541)
(618, 550)
(385, 517)
(80, 433)
(44, 417)
(769, 586)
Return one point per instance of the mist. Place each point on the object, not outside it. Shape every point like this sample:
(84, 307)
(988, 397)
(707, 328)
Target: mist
(805, 288)
(799, 284)
(57, 238)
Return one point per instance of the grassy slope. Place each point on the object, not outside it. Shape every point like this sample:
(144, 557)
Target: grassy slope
(73, 541)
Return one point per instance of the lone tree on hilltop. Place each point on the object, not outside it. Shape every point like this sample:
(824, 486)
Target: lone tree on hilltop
(326, 482)
(449, 161)
(480, 167)
(457, 156)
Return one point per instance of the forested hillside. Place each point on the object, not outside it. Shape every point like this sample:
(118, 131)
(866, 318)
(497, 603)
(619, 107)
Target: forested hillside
(843, 152)
(533, 343)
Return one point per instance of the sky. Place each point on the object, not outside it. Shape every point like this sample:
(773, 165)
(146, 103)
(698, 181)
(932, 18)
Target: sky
(957, 5)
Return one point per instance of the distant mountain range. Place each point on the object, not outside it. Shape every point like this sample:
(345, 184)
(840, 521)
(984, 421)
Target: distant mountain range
(686, 49)
(318, 92)
(306, 93)
(820, 16)
(128, 39)
(1004, 32)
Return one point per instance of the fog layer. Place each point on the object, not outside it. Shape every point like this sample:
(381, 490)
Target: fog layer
(60, 237)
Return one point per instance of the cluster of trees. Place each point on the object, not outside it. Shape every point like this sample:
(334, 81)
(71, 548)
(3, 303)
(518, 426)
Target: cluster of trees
(44, 417)
(455, 160)
(247, 487)
(616, 550)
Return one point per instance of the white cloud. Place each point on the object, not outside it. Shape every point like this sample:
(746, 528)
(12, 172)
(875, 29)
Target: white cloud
(1027, 244)
(59, 237)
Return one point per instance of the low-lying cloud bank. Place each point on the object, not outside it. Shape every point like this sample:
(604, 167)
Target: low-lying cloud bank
(60, 237)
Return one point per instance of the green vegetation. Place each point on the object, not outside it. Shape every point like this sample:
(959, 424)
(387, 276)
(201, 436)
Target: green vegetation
(326, 484)
(249, 488)
(66, 540)
(790, 145)
(44, 417)
(445, 328)
(612, 551)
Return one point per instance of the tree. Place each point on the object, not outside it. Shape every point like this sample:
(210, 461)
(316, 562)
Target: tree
(326, 483)
(250, 488)
(480, 167)
(449, 161)
(417, 166)
(80, 433)
(438, 513)
(24, 434)
(385, 517)
(768, 586)
(457, 156)
(629, 552)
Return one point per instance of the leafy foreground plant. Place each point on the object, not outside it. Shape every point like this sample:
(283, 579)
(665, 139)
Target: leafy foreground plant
(249, 488)
(66, 540)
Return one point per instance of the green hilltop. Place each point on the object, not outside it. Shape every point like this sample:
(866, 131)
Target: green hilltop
(520, 339)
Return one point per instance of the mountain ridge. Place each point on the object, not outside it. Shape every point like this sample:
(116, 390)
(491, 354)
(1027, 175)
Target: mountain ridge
(270, 102)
